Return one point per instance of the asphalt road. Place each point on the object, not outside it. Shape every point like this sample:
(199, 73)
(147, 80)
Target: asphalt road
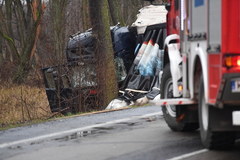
(132, 134)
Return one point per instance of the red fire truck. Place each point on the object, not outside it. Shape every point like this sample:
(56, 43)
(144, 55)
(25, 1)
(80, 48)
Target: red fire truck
(200, 85)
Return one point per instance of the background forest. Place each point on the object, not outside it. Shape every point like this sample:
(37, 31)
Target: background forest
(33, 35)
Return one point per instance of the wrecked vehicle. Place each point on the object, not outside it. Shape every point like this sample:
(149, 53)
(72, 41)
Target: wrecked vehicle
(72, 87)
(137, 53)
(142, 83)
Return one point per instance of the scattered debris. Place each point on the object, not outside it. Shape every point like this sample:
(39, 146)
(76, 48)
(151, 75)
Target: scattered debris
(142, 101)
(142, 84)
(117, 103)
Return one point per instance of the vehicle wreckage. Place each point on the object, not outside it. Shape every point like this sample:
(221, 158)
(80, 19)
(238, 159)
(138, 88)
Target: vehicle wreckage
(72, 87)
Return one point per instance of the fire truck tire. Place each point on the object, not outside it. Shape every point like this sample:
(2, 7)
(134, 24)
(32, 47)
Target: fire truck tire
(169, 111)
(209, 138)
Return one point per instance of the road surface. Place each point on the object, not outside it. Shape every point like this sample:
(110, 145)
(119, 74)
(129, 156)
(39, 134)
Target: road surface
(134, 134)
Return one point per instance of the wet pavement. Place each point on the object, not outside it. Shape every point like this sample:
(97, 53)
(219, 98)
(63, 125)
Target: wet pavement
(131, 135)
(71, 123)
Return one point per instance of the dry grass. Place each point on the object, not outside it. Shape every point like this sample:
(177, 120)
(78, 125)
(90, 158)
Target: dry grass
(22, 103)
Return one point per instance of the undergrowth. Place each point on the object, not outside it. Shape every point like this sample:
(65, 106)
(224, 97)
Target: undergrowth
(21, 104)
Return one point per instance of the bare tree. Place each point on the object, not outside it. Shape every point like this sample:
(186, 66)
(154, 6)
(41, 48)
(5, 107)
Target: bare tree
(1, 39)
(85, 14)
(99, 12)
(115, 12)
(1, 50)
(19, 27)
(58, 15)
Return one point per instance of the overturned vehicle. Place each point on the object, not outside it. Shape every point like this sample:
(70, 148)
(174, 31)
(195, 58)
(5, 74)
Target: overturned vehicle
(72, 87)
(137, 53)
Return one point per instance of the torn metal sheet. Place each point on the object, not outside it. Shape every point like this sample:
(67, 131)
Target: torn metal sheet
(150, 15)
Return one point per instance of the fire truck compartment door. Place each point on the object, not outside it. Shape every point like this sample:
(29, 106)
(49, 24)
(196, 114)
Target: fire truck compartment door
(175, 60)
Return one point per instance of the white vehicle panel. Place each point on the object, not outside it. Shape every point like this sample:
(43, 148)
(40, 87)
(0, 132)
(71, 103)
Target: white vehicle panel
(198, 49)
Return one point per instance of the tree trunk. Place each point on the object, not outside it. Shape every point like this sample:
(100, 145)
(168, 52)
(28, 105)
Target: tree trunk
(105, 69)
(28, 30)
(115, 12)
(1, 50)
(58, 11)
(85, 15)
(7, 30)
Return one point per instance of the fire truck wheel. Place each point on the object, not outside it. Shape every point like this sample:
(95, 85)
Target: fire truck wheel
(210, 139)
(169, 111)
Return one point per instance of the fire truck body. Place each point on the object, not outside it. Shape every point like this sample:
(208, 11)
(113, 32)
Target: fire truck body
(201, 77)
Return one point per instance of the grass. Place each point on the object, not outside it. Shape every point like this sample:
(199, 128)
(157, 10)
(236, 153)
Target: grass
(21, 104)
(53, 117)
(15, 125)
